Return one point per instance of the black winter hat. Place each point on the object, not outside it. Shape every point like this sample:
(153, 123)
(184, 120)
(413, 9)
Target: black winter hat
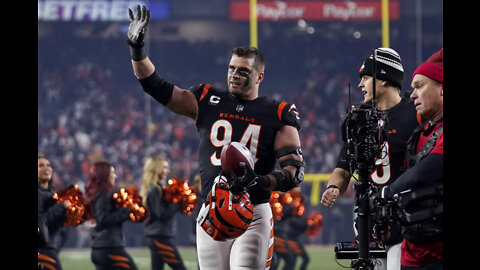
(389, 67)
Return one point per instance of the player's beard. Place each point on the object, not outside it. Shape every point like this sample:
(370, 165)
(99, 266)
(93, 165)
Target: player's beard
(242, 90)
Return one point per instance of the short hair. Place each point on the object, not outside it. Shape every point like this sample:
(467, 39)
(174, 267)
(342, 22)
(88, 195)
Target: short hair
(249, 52)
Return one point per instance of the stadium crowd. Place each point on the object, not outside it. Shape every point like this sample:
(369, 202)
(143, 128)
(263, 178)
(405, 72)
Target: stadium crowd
(91, 107)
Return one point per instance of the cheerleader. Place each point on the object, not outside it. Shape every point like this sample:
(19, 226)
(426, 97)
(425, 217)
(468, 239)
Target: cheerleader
(108, 247)
(50, 217)
(160, 226)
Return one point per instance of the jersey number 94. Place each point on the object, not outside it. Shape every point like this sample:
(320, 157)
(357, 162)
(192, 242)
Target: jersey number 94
(251, 134)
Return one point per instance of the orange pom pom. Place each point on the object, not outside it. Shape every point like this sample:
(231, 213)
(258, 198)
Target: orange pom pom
(130, 198)
(178, 191)
(276, 203)
(314, 224)
(297, 201)
(77, 212)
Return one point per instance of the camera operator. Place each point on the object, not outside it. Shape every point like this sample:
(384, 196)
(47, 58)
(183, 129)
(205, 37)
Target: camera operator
(422, 247)
(402, 119)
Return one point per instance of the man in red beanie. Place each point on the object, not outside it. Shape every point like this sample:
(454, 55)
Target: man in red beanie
(422, 247)
(428, 88)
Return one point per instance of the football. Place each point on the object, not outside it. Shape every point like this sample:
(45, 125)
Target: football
(232, 154)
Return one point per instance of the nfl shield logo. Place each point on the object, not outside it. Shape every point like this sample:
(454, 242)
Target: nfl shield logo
(239, 108)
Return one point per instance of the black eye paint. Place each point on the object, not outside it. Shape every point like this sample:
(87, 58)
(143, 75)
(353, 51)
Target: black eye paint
(243, 72)
(247, 80)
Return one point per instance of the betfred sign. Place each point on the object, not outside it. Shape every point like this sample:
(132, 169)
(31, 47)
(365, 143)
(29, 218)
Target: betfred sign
(98, 10)
(328, 11)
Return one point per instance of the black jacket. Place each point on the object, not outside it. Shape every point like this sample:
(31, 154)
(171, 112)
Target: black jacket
(52, 213)
(282, 225)
(161, 221)
(107, 232)
(297, 226)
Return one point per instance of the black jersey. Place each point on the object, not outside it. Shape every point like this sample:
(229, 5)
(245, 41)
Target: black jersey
(222, 118)
(401, 120)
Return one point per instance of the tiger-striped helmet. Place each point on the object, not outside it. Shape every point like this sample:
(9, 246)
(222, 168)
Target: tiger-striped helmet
(225, 215)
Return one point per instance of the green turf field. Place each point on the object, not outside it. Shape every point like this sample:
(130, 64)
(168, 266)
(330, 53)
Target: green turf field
(321, 258)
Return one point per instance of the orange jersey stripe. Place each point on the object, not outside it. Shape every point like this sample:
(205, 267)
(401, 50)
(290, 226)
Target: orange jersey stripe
(46, 258)
(205, 91)
(167, 260)
(118, 258)
(166, 253)
(419, 118)
(47, 266)
(280, 109)
(163, 246)
(122, 265)
(295, 247)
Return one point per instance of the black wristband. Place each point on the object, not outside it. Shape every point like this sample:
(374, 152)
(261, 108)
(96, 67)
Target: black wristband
(263, 181)
(137, 51)
(284, 180)
(333, 186)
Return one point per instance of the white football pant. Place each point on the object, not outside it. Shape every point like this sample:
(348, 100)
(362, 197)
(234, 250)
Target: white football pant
(252, 250)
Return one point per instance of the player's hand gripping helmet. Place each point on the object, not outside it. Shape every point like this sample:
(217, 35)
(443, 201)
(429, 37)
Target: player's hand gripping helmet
(225, 215)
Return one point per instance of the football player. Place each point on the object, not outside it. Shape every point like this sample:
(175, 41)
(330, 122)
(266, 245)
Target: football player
(402, 119)
(268, 128)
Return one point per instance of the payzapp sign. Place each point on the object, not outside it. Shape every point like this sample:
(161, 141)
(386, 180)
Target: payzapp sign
(338, 11)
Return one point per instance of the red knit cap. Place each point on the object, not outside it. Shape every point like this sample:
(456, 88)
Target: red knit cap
(433, 67)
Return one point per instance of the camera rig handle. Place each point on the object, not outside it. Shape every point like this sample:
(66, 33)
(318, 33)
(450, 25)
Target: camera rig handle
(362, 130)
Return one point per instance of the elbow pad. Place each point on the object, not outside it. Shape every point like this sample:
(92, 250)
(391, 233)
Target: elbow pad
(284, 179)
(158, 88)
(285, 182)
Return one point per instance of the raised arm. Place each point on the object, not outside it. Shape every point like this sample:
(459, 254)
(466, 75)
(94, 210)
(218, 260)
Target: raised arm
(176, 99)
